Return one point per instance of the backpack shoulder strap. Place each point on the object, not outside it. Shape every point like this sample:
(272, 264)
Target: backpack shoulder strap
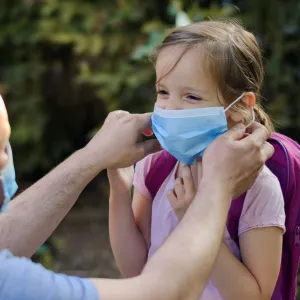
(278, 164)
(233, 218)
(159, 172)
(285, 164)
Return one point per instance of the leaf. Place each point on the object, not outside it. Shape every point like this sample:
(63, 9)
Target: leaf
(141, 52)
(182, 19)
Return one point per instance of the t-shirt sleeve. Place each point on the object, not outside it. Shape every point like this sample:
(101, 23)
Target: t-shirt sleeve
(20, 278)
(264, 204)
(141, 170)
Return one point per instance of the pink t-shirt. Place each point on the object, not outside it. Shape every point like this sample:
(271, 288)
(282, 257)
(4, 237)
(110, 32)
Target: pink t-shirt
(263, 207)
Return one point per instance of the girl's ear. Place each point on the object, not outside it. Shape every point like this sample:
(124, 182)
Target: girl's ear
(249, 99)
(240, 110)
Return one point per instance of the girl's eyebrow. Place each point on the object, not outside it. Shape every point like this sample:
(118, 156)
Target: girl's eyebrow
(197, 90)
(160, 86)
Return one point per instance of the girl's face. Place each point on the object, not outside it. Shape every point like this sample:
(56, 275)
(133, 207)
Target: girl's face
(188, 85)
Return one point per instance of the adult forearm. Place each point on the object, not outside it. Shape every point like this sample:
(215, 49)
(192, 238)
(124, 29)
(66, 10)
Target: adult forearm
(187, 257)
(233, 279)
(128, 244)
(35, 213)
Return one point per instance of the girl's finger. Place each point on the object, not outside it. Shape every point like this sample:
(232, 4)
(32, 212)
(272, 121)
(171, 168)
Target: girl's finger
(188, 182)
(199, 171)
(179, 189)
(172, 198)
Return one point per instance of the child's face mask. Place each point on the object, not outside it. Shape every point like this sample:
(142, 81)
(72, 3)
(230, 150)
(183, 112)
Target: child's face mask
(186, 133)
(8, 185)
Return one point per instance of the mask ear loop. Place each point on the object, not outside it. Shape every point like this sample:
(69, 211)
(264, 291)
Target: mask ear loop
(253, 118)
(237, 100)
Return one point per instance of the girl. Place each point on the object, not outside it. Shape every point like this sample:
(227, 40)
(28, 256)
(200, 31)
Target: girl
(206, 64)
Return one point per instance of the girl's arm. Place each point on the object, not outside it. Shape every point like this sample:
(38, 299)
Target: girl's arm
(257, 277)
(142, 210)
(128, 243)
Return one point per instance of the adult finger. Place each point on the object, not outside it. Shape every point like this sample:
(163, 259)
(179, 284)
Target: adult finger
(145, 148)
(148, 132)
(143, 121)
(188, 181)
(121, 113)
(259, 133)
(117, 114)
(4, 123)
(254, 126)
(236, 133)
(3, 160)
(267, 151)
(2, 107)
(4, 132)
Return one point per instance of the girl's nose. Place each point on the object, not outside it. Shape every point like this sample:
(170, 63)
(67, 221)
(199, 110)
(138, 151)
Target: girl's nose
(173, 104)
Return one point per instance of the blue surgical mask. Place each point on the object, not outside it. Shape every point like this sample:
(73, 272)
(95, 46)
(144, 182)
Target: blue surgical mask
(8, 180)
(186, 133)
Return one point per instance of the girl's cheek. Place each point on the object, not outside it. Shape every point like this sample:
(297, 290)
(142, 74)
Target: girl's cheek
(234, 118)
(161, 103)
(231, 122)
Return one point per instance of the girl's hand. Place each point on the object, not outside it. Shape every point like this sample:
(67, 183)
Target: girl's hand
(183, 193)
(121, 180)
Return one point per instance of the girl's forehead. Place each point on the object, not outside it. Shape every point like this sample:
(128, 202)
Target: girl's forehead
(177, 63)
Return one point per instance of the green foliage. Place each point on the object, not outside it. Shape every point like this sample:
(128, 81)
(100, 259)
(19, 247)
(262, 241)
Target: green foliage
(44, 256)
(66, 64)
(277, 26)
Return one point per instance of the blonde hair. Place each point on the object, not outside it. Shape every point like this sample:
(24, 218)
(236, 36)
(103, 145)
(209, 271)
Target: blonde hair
(234, 58)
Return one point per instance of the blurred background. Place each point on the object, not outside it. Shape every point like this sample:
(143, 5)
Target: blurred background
(65, 64)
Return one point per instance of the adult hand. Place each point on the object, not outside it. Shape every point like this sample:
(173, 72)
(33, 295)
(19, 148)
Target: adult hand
(4, 133)
(235, 159)
(117, 143)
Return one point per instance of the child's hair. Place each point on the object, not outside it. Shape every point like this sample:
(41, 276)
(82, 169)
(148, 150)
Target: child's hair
(234, 59)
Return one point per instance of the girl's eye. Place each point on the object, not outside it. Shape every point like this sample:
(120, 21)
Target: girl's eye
(162, 93)
(194, 98)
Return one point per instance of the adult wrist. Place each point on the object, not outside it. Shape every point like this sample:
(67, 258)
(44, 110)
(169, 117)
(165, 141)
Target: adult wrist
(95, 159)
(217, 187)
(84, 162)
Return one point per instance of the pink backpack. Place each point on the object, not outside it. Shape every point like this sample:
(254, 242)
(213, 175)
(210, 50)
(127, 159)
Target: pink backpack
(285, 164)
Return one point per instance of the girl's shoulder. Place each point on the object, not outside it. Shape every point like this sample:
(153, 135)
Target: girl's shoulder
(147, 162)
(266, 183)
(264, 203)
